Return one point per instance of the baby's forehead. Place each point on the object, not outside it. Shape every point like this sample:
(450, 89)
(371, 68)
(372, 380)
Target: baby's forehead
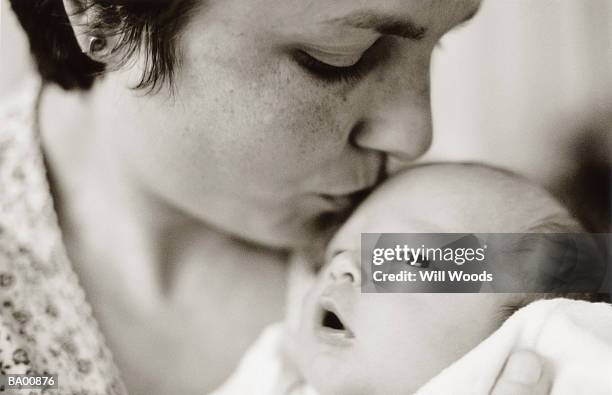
(455, 198)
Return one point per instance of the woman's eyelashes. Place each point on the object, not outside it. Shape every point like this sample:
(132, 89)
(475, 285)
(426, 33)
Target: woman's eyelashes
(324, 71)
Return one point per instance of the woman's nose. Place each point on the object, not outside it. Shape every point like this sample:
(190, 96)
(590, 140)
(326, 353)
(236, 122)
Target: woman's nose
(403, 133)
(345, 267)
(398, 120)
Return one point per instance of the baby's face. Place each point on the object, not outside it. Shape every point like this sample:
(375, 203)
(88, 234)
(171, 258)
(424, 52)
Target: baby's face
(354, 343)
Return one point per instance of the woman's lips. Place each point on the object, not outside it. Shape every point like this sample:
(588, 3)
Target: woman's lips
(348, 200)
(337, 203)
(330, 326)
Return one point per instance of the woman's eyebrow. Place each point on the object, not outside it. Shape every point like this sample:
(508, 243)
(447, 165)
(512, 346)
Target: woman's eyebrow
(385, 24)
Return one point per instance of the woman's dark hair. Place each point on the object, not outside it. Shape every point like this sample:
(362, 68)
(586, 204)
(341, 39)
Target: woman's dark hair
(150, 27)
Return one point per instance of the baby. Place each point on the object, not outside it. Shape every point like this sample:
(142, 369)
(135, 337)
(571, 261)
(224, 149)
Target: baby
(342, 341)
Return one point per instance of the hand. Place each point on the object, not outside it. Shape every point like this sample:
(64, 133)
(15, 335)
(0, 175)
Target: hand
(525, 373)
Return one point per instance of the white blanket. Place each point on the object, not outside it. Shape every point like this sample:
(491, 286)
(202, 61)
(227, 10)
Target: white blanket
(266, 370)
(574, 338)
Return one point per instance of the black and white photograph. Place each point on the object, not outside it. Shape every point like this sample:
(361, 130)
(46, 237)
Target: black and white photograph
(306, 197)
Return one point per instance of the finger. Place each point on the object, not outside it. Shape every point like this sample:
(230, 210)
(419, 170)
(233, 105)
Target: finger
(525, 373)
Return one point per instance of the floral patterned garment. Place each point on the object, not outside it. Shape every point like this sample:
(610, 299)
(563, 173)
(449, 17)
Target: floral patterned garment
(46, 326)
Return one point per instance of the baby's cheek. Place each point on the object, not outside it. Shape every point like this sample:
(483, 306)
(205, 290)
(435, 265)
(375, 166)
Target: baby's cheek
(397, 345)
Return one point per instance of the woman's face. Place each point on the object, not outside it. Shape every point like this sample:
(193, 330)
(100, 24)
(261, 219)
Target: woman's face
(281, 108)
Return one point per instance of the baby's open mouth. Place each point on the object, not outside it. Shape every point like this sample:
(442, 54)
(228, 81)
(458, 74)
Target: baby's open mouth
(332, 328)
(332, 321)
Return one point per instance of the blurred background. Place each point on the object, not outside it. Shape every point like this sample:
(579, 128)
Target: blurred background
(526, 85)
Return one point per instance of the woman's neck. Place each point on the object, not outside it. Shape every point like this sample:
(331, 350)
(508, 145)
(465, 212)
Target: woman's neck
(116, 231)
(168, 291)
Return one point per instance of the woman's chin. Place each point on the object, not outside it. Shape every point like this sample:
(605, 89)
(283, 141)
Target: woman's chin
(291, 235)
(289, 238)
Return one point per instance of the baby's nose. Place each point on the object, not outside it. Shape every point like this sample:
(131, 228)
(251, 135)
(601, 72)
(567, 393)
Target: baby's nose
(345, 267)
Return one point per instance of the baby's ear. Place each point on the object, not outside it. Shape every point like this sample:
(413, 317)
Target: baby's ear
(566, 263)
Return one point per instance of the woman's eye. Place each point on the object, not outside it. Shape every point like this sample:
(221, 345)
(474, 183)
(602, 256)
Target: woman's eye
(332, 73)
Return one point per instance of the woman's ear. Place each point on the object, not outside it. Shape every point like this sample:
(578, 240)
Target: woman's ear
(81, 14)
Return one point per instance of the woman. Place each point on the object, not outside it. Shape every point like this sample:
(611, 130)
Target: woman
(211, 138)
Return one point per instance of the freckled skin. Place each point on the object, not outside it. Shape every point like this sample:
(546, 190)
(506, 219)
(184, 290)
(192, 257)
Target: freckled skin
(249, 132)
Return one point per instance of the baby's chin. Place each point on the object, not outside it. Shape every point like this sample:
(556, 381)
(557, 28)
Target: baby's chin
(323, 369)
(332, 373)
(329, 385)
